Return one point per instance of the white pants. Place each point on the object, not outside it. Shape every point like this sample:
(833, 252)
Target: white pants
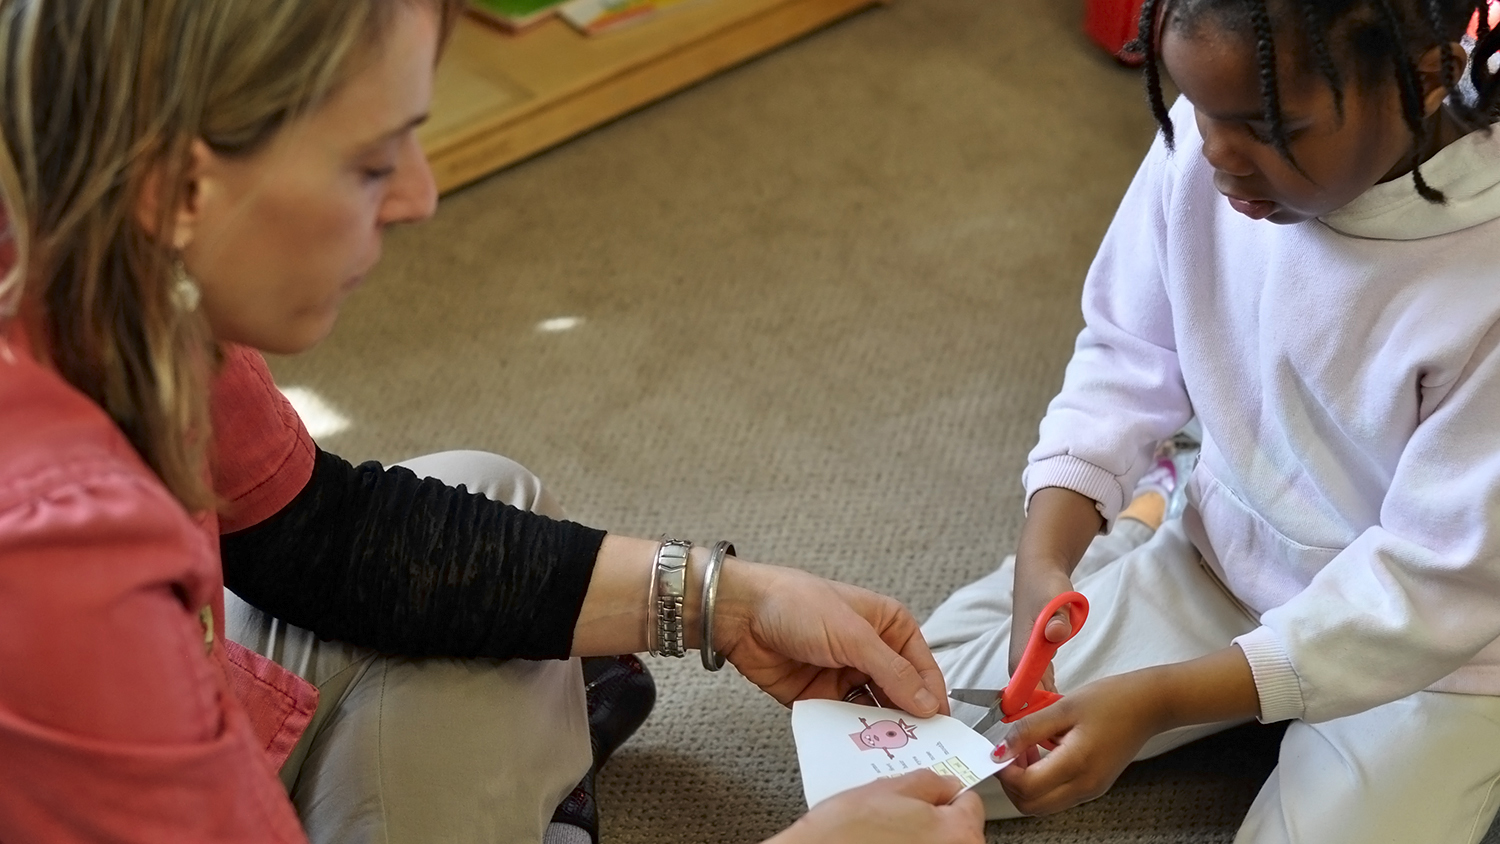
(1421, 769)
(430, 750)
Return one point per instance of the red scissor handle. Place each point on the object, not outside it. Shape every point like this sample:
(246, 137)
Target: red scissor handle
(1024, 695)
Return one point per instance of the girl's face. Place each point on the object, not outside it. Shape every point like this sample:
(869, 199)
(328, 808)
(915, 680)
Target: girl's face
(1340, 158)
(276, 240)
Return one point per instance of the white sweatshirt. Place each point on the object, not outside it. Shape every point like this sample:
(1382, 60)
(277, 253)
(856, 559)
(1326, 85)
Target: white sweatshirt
(1347, 375)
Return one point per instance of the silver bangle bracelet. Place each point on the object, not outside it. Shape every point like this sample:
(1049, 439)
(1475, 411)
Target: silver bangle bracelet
(712, 659)
(670, 583)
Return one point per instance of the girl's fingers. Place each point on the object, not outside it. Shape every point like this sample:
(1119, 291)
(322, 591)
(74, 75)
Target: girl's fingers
(1059, 627)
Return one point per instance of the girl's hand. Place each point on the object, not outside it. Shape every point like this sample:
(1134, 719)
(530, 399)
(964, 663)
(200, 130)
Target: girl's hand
(1102, 726)
(1098, 729)
(798, 636)
(900, 810)
(1059, 526)
(1033, 591)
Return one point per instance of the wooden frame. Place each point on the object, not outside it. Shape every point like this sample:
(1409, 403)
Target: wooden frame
(501, 97)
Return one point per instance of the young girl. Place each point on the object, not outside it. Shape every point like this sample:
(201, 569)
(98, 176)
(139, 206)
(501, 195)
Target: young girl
(1307, 262)
(191, 182)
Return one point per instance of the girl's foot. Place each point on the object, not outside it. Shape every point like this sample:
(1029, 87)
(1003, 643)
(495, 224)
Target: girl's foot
(1161, 493)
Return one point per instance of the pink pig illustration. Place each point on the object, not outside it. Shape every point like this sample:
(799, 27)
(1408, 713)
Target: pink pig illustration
(884, 735)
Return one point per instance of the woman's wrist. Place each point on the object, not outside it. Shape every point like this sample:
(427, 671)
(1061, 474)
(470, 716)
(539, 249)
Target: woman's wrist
(698, 598)
(735, 594)
(618, 616)
(741, 591)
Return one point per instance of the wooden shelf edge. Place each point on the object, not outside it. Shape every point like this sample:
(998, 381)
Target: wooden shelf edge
(511, 137)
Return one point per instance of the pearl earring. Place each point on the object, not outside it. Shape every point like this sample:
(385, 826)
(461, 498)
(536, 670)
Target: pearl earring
(185, 292)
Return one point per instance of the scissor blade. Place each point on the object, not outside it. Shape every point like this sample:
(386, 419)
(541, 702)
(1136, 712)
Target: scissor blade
(976, 697)
(988, 698)
(990, 719)
(999, 733)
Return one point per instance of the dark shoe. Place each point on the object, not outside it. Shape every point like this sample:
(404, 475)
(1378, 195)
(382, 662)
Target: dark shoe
(580, 809)
(620, 693)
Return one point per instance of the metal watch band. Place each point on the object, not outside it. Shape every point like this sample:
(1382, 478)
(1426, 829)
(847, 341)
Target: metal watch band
(671, 584)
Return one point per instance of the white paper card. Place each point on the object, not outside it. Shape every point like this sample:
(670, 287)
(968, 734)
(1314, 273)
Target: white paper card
(844, 745)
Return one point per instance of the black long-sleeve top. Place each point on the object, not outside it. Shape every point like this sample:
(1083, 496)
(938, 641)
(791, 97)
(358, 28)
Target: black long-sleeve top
(379, 557)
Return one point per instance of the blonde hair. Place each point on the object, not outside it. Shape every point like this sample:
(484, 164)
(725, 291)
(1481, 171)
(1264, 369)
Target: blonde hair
(102, 101)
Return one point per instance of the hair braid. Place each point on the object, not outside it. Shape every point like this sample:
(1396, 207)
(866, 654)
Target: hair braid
(1317, 27)
(1411, 98)
(1270, 83)
(1146, 45)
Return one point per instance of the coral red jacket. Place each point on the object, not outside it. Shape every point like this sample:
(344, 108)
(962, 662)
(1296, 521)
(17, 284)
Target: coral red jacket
(124, 713)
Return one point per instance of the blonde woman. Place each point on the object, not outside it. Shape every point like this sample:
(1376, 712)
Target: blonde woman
(191, 182)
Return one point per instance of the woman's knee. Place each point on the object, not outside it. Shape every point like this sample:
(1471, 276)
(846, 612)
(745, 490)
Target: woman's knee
(494, 476)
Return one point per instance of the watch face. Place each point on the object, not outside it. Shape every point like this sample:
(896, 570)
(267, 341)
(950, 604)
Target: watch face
(669, 584)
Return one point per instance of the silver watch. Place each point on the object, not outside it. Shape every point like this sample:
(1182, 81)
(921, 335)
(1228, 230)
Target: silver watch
(671, 586)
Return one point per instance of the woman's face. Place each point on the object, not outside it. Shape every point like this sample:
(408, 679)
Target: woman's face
(276, 240)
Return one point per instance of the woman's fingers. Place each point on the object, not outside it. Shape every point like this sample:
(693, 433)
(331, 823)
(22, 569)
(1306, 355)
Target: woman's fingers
(907, 636)
(889, 648)
(927, 786)
(897, 678)
(965, 811)
(920, 806)
(808, 637)
(915, 651)
(970, 809)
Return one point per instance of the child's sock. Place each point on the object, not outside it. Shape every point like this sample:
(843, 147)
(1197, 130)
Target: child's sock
(1159, 494)
(1148, 508)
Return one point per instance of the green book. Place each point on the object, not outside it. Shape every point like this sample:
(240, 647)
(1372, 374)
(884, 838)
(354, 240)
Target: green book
(514, 14)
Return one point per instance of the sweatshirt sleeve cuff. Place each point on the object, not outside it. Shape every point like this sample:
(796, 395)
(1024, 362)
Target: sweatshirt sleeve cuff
(1080, 476)
(1275, 680)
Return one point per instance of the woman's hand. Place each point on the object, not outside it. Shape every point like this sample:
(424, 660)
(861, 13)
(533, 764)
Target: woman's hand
(899, 810)
(798, 636)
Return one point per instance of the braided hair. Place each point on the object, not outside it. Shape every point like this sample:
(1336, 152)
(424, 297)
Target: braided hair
(1380, 37)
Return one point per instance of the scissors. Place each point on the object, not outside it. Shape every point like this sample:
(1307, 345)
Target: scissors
(1024, 694)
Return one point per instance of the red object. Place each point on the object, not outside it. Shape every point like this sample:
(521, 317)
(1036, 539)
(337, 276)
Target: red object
(121, 717)
(1494, 19)
(1025, 695)
(1112, 24)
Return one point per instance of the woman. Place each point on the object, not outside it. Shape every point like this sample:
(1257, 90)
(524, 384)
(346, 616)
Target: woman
(191, 182)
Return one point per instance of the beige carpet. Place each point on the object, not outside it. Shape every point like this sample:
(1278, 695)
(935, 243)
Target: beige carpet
(822, 301)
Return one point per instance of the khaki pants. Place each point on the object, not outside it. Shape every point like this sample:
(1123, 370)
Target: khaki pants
(1421, 769)
(430, 750)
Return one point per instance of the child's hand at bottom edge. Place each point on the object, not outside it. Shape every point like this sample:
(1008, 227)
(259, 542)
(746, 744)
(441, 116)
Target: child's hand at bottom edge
(1098, 729)
(914, 807)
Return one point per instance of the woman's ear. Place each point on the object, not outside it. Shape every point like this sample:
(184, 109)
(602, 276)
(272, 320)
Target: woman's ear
(1435, 88)
(156, 189)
